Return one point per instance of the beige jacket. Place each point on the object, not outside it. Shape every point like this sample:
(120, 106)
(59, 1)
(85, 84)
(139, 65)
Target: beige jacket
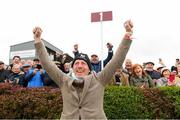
(90, 105)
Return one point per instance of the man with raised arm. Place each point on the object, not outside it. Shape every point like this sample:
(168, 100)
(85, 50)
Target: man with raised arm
(83, 89)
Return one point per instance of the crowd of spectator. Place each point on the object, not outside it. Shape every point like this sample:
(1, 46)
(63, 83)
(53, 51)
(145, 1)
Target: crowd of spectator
(146, 75)
(30, 73)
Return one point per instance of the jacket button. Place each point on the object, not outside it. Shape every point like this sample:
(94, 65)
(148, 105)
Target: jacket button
(79, 107)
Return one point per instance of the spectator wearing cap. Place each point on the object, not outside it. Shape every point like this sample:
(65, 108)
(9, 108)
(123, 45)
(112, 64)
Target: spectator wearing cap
(96, 63)
(35, 76)
(3, 72)
(158, 69)
(26, 67)
(83, 90)
(76, 51)
(166, 79)
(149, 68)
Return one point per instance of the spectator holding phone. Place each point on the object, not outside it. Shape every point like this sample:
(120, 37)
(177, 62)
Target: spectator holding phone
(35, 76)
(167, 79)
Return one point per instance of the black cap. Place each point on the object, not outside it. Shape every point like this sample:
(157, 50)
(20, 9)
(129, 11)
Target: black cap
(84, 57)
(1, 62)
(150, 63)
(94, 55)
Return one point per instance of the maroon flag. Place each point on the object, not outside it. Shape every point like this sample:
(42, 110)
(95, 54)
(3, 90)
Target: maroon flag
(95, 17)
(107, 16)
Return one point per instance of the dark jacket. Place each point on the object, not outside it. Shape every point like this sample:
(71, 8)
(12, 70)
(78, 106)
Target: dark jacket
(49, 82)
(4, 75)
(154, 74)
(97, 66)
(17, 78)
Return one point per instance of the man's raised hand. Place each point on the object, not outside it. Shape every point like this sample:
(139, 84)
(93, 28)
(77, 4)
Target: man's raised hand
(75, 48)
(128, 25)
(37, 31)
(109, 46)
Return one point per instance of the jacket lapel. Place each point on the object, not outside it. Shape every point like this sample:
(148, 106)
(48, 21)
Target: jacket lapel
(72, 89)
(87, 82)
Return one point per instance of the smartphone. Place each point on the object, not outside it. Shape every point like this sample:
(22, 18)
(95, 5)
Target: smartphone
(171, 78)
(38, 66)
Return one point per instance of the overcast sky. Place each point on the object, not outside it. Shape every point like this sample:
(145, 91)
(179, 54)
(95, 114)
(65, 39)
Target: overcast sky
(66, 22)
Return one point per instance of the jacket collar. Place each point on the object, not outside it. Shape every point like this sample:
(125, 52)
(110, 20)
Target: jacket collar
(87, 81)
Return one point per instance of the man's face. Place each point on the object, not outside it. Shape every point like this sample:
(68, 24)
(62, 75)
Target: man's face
(80, 68)
(128, 64)
(94, 59)
(149, 67)
(177, 61)
(16, 60)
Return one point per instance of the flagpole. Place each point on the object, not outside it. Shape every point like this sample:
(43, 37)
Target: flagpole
(100, 17)
(101, 20)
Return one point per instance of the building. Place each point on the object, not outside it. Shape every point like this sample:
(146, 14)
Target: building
(27, 51)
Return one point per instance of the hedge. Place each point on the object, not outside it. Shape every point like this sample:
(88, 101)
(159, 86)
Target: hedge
(26, 103)
(136, 103)
(119, 103)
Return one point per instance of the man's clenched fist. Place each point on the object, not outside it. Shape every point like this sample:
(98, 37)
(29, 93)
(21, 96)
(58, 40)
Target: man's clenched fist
(128, 25)
(37, 31)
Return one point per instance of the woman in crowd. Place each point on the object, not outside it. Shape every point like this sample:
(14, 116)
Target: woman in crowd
(167, 79)
(139, 77)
